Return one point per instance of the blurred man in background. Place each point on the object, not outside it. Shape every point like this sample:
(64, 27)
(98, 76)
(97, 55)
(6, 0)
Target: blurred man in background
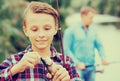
(80, 41)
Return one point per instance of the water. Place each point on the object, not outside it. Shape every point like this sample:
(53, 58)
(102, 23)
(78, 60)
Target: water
(110, 38)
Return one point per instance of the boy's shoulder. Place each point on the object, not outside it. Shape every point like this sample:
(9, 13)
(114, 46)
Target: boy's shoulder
(65, 58)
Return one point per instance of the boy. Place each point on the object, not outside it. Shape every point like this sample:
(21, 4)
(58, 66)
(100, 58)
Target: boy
(40, 24)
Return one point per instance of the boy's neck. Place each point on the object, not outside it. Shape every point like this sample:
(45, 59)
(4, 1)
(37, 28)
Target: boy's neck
(43, 52)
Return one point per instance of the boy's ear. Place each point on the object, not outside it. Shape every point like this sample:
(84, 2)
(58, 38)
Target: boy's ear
(25, 31)
(56, 29)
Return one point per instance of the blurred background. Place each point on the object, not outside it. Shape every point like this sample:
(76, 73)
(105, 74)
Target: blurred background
(107, 24)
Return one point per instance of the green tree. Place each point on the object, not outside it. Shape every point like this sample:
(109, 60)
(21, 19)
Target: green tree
(12, 38)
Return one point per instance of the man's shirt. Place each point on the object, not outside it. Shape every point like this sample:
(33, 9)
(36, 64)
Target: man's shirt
(39, 72)
(80, 44)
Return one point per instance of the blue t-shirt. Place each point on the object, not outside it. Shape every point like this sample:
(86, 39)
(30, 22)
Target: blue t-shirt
(80, 44)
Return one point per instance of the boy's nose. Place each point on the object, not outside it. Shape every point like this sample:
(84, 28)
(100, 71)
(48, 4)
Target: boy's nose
(41, 34)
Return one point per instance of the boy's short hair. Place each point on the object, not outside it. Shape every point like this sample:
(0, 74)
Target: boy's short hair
(40, 7)
(86, 10)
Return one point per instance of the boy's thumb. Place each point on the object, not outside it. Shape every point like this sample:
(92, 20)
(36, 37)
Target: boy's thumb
(49, 75)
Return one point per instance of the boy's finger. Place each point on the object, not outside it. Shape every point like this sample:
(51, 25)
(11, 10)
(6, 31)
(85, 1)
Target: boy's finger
(49, 75)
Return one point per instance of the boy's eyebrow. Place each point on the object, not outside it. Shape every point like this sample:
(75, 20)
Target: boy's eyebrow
(47, 25)
(34, 26)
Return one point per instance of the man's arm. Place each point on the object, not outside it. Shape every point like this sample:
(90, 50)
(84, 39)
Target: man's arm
(68, 40)
(100, 48)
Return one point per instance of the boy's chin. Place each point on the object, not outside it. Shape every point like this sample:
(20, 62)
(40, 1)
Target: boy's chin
(41, 46)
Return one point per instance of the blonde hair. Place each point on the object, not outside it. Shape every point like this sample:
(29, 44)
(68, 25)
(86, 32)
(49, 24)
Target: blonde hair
(40, 7)
(86, 10)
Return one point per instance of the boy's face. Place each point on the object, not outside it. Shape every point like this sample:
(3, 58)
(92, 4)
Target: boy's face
(40, 29)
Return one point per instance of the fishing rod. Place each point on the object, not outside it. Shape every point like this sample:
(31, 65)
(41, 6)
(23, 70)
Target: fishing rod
(60, 31)
(45, 61)
(102, 70)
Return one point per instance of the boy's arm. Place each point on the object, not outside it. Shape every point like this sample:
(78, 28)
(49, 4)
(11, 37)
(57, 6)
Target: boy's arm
(71, 68)
(5, 74)
(58, 72)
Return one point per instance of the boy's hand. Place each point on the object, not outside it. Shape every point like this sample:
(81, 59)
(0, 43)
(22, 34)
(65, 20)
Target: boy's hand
(29, 60)
(59, 73)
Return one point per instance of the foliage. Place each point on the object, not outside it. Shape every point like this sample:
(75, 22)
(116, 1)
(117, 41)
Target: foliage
(12, 38)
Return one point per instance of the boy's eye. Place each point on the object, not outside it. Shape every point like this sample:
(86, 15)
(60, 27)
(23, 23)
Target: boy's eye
(34, 29)
(47, 28)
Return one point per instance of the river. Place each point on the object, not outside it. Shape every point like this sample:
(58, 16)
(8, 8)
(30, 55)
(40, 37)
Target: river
(110, 37)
